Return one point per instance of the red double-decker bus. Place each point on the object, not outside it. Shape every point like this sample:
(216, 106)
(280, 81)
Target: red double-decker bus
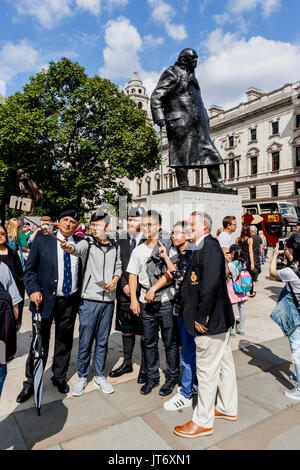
(276, 220)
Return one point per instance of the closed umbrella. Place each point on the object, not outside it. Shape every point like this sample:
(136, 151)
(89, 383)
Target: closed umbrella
(38, 366)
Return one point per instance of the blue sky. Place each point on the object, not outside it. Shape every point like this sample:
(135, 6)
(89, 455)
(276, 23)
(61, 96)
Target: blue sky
(241, 43)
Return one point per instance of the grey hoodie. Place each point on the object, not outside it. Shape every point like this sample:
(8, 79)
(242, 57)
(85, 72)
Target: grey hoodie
(102, 265)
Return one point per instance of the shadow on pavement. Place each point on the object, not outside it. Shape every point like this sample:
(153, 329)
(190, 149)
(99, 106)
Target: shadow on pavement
(263, 358)
(275, 291)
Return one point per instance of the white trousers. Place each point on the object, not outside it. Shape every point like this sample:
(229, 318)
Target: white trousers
(216, 377)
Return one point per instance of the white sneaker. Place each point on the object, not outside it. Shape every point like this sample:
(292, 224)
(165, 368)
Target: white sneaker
(105, 386)
(177, 402)
(293, 394)
(194, 389)
(78, 388)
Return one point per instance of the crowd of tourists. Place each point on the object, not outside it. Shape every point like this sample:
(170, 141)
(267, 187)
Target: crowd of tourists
(187, 286)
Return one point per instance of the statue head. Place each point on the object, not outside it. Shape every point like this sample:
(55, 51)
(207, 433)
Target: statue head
(188, 57)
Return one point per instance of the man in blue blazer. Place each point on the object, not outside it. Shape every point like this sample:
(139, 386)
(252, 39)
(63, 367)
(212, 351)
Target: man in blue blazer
(52, 280)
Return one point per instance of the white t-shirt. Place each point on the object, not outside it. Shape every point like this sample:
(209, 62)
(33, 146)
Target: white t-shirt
(137, 265)
(225, 240)
(288, 275)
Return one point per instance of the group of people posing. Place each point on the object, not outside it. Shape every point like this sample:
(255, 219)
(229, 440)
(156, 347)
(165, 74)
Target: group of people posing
(176, 285)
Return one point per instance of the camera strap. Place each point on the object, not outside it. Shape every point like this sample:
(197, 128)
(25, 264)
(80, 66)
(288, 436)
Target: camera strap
(296, 302)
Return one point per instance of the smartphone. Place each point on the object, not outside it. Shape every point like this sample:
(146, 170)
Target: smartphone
(101, 284)
(281, 245)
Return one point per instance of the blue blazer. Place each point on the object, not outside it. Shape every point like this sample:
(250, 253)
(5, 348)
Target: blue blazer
(41, 272)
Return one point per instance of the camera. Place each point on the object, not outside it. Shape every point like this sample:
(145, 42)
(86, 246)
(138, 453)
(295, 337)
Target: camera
(281, 245)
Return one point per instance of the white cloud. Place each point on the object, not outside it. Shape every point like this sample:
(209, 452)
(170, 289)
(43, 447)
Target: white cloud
(164, 13)
(49, 13)
(18, 58)
(2, 88)
(150, 41)
(234, 64)
(121, 56)
(46, 12)
(267, 6)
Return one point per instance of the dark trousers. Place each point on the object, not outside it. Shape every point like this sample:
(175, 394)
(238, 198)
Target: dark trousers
(157, 316)
(64, 315)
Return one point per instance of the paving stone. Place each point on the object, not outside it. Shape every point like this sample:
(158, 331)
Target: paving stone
(10, 435)
(268, 387)
(130, 402)
(249, 413)
(119, 437)
(279, 431)
(67, 419)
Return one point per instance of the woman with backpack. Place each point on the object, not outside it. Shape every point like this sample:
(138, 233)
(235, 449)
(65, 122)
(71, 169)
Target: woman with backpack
(246, 243)
(236, 263)
(287, 311)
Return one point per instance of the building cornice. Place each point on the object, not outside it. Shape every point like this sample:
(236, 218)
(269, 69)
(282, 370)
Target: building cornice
(253, 113)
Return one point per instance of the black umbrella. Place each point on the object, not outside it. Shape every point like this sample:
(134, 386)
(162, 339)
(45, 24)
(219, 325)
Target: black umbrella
(38, 366)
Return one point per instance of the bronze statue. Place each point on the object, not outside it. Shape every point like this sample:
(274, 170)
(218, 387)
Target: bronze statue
(29, 188)
(177, 103)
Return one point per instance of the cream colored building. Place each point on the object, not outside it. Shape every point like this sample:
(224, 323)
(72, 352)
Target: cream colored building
(259, 141)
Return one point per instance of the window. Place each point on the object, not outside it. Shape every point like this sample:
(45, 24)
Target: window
(252, 193)
(297, 156)
(197, 177)
(140, 105)
(157, 184)
(274, 190)
(253, 134)
(298, 120)
(231, 141)
(231, 168)
(297, 188)
(139, 189)
(225, 171)
(275, 127)
(275, 161)
(148, 187)
(170, 181)
(238, 168)
(253, 165)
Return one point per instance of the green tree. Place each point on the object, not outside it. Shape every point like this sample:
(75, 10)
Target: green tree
(76, 136)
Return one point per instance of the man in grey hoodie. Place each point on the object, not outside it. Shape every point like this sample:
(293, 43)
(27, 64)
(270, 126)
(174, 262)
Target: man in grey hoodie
(102, 270)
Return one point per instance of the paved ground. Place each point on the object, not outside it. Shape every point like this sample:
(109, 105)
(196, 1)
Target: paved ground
(128, 420)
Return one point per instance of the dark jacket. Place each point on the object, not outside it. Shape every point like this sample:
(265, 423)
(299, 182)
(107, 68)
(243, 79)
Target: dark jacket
(204, 291)
(177, 99)
(41, 272)
(125, 253)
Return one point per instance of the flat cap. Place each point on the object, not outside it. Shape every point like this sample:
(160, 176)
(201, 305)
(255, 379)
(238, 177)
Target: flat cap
(69, 213)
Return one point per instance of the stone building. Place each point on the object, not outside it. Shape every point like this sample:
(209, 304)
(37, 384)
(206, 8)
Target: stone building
(259, 141)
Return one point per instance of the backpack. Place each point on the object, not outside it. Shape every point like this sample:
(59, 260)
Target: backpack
(243, 283)
(8, 332)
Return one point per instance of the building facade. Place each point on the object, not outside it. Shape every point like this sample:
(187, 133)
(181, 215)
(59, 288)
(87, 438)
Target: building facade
(259, 141)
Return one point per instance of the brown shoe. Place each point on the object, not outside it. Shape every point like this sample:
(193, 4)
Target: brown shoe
(218, 414)
(191, 430)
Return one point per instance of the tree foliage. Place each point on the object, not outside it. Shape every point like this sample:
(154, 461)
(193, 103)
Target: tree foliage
(76, 137)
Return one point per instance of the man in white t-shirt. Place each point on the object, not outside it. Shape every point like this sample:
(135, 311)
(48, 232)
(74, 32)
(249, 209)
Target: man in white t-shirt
(225, 237)
(155, 315)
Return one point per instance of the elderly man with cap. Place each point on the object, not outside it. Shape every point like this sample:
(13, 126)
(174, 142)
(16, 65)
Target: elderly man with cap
(52, 280)
(126, 322)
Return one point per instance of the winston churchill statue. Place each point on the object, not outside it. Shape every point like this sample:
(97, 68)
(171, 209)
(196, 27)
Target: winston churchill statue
(177, 104)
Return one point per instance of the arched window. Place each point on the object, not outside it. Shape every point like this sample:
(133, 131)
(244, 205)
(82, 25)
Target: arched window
(140, 105)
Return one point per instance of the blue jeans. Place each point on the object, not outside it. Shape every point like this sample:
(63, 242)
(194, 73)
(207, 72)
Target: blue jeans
(95, 320)
(294, 339)
(188, 359)
(3, 374)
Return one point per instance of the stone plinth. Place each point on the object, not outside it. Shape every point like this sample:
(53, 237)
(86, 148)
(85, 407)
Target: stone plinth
(178, 204)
